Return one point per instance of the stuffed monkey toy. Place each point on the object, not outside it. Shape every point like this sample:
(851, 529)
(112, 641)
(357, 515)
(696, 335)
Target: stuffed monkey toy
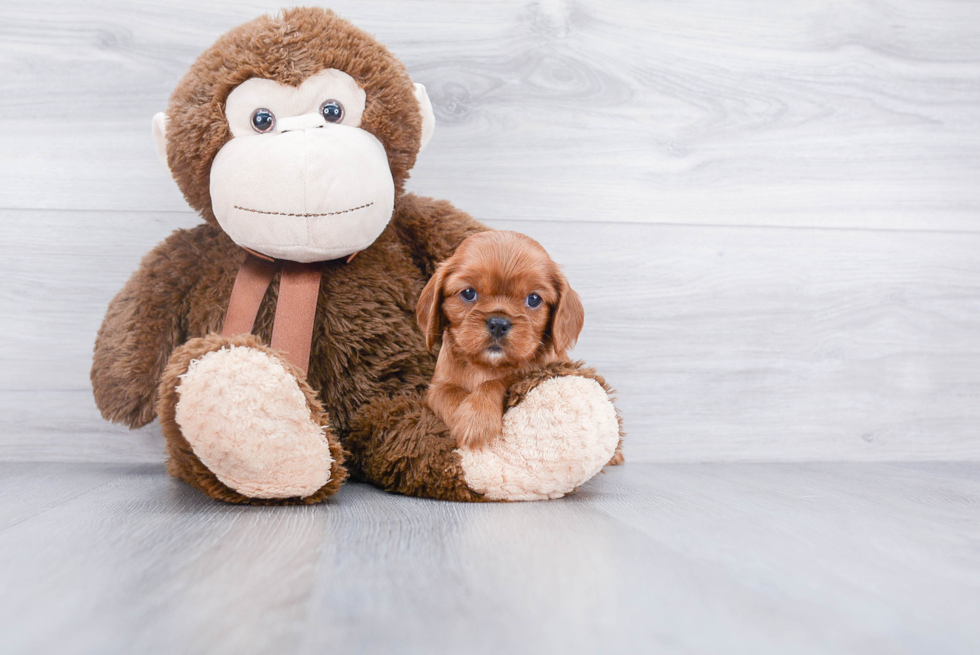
(277, 342)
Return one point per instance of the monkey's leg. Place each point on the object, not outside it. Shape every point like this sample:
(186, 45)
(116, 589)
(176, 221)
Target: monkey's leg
(400, 445)
(242, 426)
(560, 427)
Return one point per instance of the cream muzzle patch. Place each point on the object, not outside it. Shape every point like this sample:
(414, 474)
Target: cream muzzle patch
(300, 180)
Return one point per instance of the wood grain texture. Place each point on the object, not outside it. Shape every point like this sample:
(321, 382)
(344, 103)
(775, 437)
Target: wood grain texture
(673, 558)
(814, 113)
(616, 134)
(771, 213)
(724, 343)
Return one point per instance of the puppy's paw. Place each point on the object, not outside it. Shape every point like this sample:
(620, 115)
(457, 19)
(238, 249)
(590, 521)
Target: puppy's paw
(474, 425)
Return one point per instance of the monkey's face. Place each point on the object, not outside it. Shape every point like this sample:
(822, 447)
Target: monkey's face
(300, 179)
(295, 133)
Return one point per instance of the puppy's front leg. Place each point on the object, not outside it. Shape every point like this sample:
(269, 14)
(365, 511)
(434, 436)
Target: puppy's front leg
(480, 416)
(444, 399)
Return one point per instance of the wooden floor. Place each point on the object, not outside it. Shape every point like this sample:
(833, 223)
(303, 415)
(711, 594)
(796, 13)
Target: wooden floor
(672, 558)
(772, 213)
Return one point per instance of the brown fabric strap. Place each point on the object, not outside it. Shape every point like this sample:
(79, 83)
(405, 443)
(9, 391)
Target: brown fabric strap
(299, 289)
(252, 281)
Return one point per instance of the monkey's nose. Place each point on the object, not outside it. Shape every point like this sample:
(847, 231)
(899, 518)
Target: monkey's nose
(498, 326)
(304, 122)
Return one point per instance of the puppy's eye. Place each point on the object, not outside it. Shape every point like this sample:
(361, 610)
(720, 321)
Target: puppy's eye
(263, 120)
(468, 295)
(533, 300)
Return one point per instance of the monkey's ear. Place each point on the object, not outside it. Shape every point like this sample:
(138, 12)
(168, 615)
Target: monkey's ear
(428, 118)
(160, 136)
(568, 317)
(428, 312)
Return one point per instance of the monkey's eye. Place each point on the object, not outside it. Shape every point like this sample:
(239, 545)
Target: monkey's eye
(533, 300)
(332, 111)
(468, 295)
(263, 120)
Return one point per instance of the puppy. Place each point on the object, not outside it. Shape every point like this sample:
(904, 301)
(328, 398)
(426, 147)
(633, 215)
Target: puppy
(500, 307)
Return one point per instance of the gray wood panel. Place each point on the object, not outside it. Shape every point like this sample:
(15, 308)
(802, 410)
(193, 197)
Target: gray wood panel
(810, 113)
(724, 343)
(728, 342)
(771, 212)
(674, 558)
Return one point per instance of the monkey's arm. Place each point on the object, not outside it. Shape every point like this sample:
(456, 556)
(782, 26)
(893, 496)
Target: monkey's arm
(546, 450)
(433, 229)
(143, 325)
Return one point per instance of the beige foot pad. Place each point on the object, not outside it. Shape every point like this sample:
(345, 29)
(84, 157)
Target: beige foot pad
(561, 435)
(248, 422)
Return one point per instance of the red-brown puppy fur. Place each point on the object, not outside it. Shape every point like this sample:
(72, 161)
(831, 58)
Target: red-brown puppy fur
(369, 364)
(500, 307)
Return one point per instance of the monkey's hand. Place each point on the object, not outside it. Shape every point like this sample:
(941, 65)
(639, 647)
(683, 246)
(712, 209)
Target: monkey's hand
(560, 428)
(141, 328)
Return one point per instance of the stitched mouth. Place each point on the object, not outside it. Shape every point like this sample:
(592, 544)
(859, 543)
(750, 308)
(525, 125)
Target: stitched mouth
(345, 211)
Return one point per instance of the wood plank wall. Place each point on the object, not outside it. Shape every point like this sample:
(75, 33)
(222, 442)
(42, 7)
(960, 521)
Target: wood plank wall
(771, 210)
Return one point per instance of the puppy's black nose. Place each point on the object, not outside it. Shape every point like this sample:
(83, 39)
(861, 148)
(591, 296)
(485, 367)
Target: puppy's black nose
(498, 326)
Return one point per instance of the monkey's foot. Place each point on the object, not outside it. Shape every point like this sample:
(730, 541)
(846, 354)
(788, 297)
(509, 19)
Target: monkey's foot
(253, 430)
(555, 438)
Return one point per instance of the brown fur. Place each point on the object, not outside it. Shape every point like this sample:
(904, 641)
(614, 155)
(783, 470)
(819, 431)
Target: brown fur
(401, 446)
(181, 461)
(369, 364)
(288, 48)
(365, 345)
(475, 368)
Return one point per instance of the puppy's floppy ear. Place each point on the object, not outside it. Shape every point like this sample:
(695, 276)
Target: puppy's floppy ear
(428, 312)
(568, 315)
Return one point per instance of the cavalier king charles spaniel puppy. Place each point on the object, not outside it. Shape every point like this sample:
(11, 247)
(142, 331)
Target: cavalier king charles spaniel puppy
(500, 307)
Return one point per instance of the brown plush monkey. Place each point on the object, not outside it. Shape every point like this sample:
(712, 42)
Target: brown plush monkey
(293, 136)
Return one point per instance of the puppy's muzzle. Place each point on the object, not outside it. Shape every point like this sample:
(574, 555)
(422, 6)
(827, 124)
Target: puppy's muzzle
(498, 326)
